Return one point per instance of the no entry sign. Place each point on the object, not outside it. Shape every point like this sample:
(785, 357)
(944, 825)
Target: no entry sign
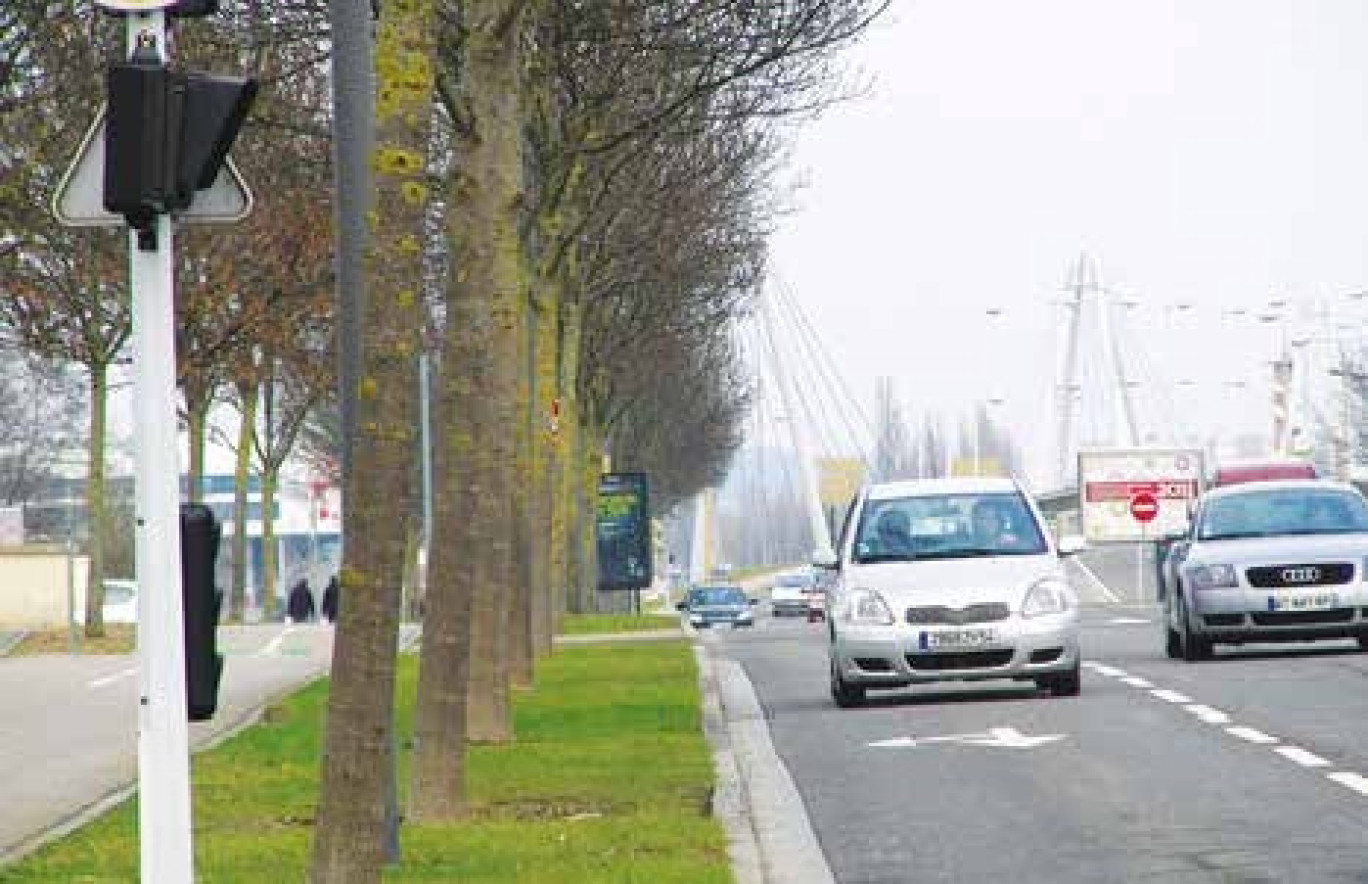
(1144, 507)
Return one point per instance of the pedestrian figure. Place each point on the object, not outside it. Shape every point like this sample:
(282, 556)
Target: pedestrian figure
(300, 605)
(330, 600)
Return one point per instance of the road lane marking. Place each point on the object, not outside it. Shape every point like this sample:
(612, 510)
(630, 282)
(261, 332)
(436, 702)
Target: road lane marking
(1251, 735)
(1104, 669)
(1128, 621)
(1207, 714)
(273, 646)
(1300, 756)
(1097, 582)
(107, 680)
(1352, 780)
(1170, 696)
(1136, 682)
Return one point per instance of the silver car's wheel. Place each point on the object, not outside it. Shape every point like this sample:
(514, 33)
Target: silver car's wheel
(843, 693)
(1195, 647)
(1173, 643)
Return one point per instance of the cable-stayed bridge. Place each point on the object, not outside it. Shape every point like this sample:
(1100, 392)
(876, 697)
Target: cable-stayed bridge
(1127, 372)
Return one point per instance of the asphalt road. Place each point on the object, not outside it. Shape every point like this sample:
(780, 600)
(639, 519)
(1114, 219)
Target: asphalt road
(68, 734)
(1249, 768)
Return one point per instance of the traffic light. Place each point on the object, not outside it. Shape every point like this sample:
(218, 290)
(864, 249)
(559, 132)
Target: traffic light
(200, 533)
(167, 134)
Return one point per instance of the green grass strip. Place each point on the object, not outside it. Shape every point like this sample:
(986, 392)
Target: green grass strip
(608, 781)
(590, 624)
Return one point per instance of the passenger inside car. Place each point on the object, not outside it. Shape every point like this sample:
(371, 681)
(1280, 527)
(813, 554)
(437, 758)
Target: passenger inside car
(893, 533)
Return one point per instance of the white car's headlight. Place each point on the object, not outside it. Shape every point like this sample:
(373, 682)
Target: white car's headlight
(1212, 576)
(744, 615)
(1048, 596)
(867, 607)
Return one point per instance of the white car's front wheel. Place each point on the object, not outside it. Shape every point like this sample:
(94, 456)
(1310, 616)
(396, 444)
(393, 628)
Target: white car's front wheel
(843, 693)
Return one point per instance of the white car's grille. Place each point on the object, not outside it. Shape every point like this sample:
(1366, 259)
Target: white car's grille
(988, 612)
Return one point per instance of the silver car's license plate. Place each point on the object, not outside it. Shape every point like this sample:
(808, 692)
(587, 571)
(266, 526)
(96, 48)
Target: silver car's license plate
(1303, 601)
(958, 638)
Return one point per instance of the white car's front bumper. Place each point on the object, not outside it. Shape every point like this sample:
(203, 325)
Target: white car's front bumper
(904, 654)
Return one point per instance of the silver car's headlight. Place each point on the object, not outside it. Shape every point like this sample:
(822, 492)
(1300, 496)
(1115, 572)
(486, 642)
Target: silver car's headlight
(1212, 576)
(868, 608)
(1048, 596)
(744, 614)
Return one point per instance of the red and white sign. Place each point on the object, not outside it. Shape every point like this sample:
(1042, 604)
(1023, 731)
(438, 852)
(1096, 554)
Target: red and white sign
(1144, 507)
(1134, 495)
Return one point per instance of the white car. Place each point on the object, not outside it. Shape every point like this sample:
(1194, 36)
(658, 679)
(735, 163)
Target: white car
(1270, 561)
(949, 580)
(789, 594)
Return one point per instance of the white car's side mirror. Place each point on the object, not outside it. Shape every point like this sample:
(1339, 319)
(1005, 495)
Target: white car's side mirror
(1072, 544)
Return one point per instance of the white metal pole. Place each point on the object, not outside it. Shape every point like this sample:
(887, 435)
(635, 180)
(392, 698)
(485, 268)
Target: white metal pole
(164, 829)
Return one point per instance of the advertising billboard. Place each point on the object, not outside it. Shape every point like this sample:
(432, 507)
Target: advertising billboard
(623, 531)
(1132, 495)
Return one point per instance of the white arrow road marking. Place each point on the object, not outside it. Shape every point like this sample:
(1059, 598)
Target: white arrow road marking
(998, 737)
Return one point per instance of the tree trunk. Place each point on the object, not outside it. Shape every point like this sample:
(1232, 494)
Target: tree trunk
(96, 501)
(489, 289)
(379, 407)
(237, 594)
(197, 401)
(270, 550)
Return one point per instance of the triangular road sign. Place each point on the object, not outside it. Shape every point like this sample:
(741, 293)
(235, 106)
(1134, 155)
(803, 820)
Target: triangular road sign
(79, 201)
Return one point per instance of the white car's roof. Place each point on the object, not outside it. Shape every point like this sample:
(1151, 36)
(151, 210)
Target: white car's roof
(951, 485)
(1278, 485)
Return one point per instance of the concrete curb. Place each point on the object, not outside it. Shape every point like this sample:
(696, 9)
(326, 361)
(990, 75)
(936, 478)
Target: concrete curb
(772, 841)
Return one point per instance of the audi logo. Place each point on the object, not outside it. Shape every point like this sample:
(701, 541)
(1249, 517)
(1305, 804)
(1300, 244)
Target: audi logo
(1299, 575)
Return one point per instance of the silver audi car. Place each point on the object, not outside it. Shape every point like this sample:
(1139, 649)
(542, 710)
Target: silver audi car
(949, 580)
(1270, 561)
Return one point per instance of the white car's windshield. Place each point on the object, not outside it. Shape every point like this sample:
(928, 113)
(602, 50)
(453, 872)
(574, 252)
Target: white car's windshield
(1281, 511)
(947, 526)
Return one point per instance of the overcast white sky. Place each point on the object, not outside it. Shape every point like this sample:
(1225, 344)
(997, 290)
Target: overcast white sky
(1209, 152)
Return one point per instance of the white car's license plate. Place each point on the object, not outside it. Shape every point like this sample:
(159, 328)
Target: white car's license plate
(1303, 601)
(958, 638)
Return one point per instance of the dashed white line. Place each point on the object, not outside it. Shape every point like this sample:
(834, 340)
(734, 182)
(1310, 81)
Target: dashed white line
(1251, 735)
(1170, 696)
(1301, 756)
(107, 680)
(1136, 682)
(1207, 714)
(1104, 669)
(1352, 780)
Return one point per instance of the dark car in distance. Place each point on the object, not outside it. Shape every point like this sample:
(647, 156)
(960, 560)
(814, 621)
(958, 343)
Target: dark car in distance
(717, 605)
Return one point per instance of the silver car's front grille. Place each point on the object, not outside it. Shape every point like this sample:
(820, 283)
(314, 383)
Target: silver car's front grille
(1318, 574)
(988, 612)
(941, 662)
